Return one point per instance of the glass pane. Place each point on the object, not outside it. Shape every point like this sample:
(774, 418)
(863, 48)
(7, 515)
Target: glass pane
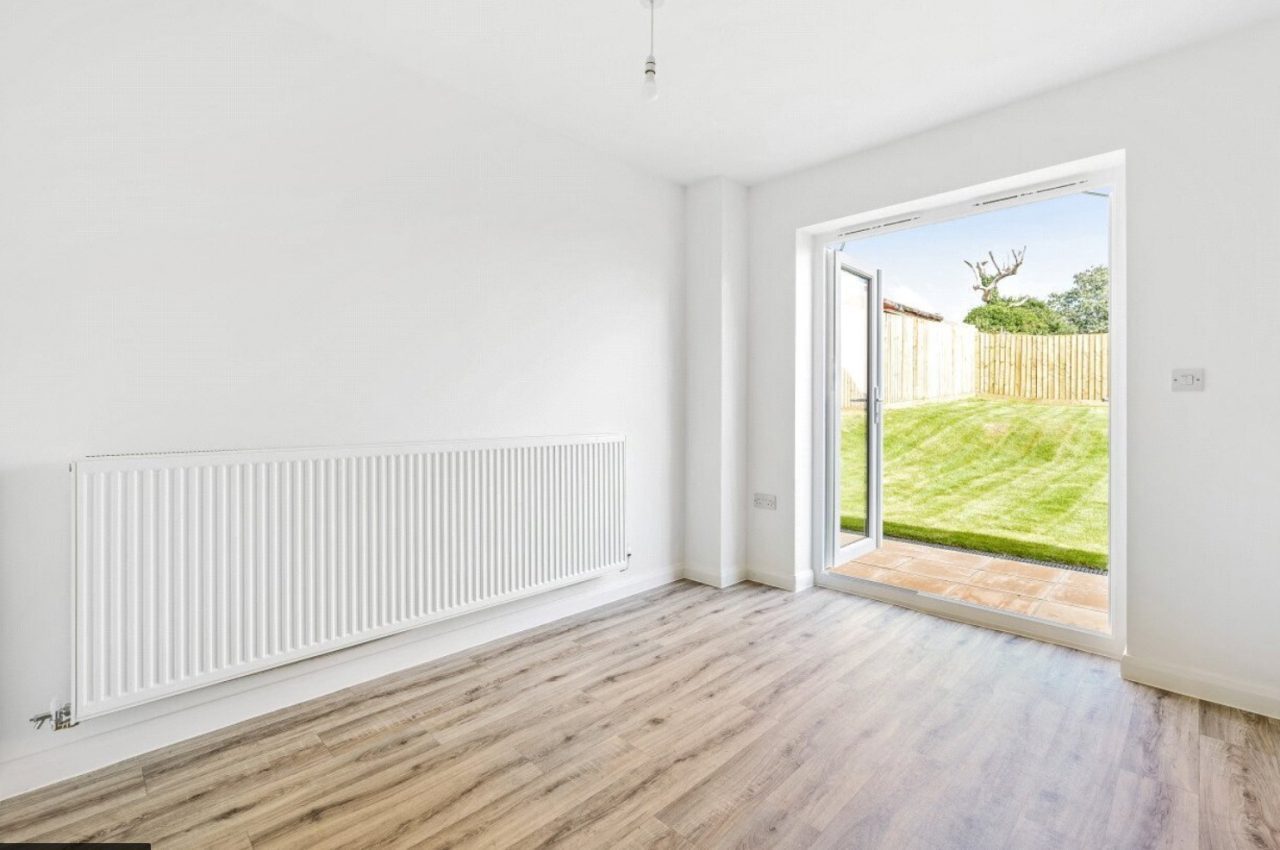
(852, 296)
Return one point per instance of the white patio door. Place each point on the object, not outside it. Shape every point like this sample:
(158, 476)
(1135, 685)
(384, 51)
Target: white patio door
(854, 406)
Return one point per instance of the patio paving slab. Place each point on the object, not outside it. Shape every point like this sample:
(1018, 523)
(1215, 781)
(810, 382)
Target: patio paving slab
(1065, 596)
(989, 598)
(937, 569)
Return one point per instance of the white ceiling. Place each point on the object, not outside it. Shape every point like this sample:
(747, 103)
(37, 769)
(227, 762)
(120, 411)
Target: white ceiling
(754, 88)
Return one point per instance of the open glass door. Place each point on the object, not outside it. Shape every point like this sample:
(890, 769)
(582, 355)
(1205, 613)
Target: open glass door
(854, 411)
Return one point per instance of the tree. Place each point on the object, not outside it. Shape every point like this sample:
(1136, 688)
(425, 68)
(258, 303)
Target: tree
(1087, 304)
(1020, 316)
(989, 278)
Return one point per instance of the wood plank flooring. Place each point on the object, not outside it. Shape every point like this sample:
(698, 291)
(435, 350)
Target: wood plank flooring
(693, 717)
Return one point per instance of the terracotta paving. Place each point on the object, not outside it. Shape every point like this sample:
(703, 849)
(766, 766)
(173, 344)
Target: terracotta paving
(1063, 596)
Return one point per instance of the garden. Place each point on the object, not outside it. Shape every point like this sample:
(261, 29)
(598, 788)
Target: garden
(1010, 477)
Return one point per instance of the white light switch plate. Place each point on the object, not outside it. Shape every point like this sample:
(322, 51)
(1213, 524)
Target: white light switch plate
(765, 501)
(1188, 380)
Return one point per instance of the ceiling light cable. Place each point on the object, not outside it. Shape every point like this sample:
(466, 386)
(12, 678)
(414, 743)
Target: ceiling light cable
(649, 88)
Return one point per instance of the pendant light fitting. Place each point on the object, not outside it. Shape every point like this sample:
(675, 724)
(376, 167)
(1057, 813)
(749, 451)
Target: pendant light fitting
(649, 88)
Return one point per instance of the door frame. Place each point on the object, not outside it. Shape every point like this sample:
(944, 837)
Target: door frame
(874, 537)
(1106, 170)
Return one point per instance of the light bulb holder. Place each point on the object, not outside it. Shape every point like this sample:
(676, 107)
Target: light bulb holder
(649, 89)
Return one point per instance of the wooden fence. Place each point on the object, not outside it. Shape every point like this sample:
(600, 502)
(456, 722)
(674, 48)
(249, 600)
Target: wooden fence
(1066, 367)
(928, 361)
(938, 361)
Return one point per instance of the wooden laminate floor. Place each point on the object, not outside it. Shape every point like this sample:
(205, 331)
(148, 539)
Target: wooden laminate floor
(692, 717)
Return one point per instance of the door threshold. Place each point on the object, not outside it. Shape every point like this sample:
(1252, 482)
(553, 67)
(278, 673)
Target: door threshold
(1097, 643)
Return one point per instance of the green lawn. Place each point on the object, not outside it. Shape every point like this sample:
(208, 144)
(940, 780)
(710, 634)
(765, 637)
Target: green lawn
(1008, 477)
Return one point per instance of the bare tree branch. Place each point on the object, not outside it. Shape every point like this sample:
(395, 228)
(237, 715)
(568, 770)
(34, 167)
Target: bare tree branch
(989, 281)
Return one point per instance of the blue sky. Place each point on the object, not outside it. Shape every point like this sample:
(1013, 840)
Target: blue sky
(924, 266)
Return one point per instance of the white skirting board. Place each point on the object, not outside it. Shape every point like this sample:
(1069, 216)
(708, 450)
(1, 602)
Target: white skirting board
(1203, 685)
(794, 582)
(713, 577)
(123, 735)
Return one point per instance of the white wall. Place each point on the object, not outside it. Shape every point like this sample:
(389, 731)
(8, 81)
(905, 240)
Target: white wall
(715, 382)
(1201, 132)
(221, 230)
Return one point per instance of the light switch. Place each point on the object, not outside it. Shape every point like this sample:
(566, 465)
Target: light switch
(1188, 380)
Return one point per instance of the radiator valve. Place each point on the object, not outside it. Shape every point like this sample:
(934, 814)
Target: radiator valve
(58, 716)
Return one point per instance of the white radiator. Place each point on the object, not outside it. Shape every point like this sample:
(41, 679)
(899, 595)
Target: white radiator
(195, 568)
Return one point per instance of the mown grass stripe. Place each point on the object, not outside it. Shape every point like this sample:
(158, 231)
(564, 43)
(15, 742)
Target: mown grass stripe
(1011, 477)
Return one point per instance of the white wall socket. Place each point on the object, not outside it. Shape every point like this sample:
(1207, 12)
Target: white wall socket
(765, 501)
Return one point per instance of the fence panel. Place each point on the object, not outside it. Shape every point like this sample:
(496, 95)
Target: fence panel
(1069, 367)
(941, 361)
(927, 361)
